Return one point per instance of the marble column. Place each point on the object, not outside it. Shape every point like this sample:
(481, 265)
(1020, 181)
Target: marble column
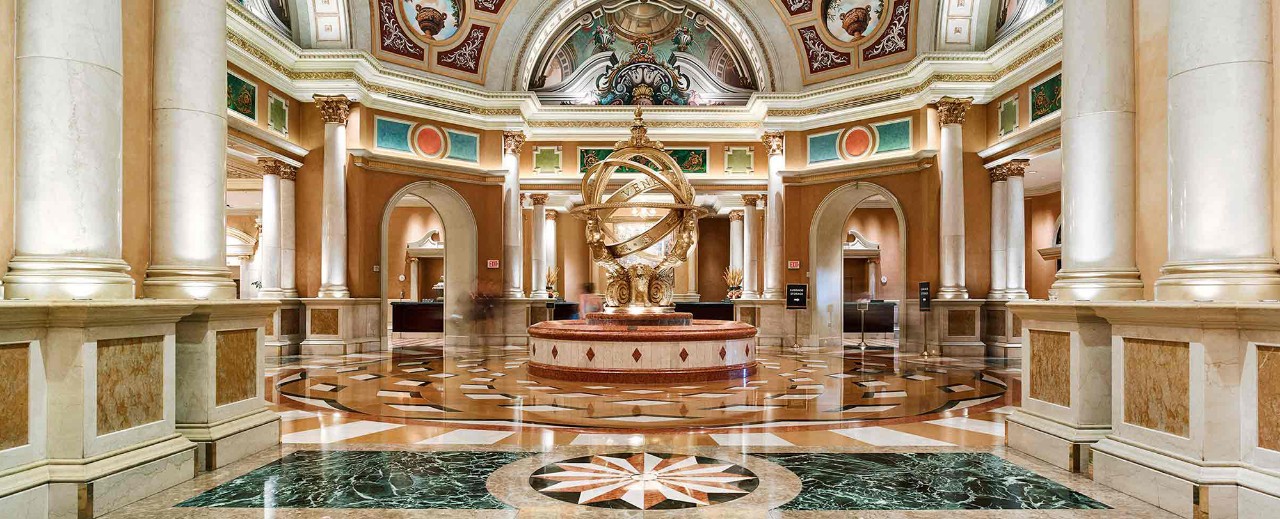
(873, 276)
(512, 221)
(67, 177)
(288, 231)
(691, 266)
(750, 244)
(549, 239)
(333, 245)
(415, 291)
(1220, 153)
(774, 144)
(1016, 225)
(735, 239)
(269, 244)
(999, 231)
(1098, 259)
(951, 112)
(189, 154)
(246, 273)
(537, 260)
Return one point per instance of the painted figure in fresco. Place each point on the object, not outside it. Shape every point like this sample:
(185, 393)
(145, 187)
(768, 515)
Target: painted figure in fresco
(682, 39)
(855, 21)
(603, 37)
(430, 20)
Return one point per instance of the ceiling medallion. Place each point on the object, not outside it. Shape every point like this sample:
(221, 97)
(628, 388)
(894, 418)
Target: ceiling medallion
(644, 481)
(433, 21)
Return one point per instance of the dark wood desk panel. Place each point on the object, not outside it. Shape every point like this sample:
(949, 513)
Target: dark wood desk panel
(407, 316)
(880, 317)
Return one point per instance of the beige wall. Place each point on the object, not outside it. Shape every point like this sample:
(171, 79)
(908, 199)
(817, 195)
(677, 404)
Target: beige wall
(408, 225)
(1041, 220)
(1151, 45)
(880, 225)
(136, 230)
(713, 258)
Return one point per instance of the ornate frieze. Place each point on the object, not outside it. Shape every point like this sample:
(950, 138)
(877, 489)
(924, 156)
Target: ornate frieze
(333, 109)
(951, 110)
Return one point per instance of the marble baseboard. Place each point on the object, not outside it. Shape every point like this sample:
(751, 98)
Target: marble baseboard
(1259, 504)
(110, 483)
(1011, 350)
(1185, 486)
(963, 349)
(223, 443)
(32, 503)
(1054, 450)
(315, 346)
(1153, 486)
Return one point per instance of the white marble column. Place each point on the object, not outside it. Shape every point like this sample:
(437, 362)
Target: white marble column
(774, 144)
(1016, 225)
(269, 249)
(333, 245)
(873, 276)
(189, 154)
(549, 238)
(415, 291)
(67, 129)
(288, 231)
(1221, 142)
(750, 244)
(951, 112)
(537, 261)
(512, 221)
(1098, 259)
(999, 231)
(691, 267)
(246, 272)
(735, 239)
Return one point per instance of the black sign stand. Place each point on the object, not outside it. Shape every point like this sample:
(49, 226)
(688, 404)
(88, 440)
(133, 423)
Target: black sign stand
(797, 299)
(925, 307)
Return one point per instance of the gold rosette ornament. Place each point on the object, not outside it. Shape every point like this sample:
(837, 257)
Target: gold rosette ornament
(640, 262)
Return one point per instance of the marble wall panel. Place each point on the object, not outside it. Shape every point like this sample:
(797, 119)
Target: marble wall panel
(1157, 385)
(1017, 326)
(271, 327)
(130, 382)
(995, 323)
(14, 379)
(1051, 367)
(237, 362)
(962, 323)
(290, 321)
(324, 321)
(1269, 397)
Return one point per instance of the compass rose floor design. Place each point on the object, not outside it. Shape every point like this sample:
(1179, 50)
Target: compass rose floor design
(430, 431)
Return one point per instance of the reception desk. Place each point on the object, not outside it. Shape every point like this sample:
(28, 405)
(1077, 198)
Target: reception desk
(715, 310)
(880, 318)
(408, 316)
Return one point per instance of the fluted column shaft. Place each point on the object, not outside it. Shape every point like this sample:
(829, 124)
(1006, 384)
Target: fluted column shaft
(512, 222)
(67, 178)
(333, 246)
(735, 239)
(1220, 153)
(288, 232)
(537, 260)
(1098, 259)
(999, 232)
(951, 112)
(750, 242)
(774, 144)
(189, 154)
(269, 243)
(549, 239)
(1016, 245)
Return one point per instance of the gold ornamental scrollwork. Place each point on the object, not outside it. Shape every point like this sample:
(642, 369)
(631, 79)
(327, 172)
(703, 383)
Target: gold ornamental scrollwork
(636, 286)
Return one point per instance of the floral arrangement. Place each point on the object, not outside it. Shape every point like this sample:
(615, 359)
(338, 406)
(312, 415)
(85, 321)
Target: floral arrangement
(733, 278)
(553, 275)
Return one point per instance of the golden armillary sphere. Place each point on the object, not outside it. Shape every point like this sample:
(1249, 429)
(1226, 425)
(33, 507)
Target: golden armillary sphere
(636, 285)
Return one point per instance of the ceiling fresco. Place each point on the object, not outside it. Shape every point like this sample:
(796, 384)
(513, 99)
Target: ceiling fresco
(837, 38)
(447, 37)
(645, 54)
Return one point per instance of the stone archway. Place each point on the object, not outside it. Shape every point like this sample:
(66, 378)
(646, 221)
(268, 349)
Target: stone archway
(826, 257)
(461, 264)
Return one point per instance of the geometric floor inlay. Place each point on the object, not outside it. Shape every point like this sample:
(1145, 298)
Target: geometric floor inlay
(644, 481)
(921, 481)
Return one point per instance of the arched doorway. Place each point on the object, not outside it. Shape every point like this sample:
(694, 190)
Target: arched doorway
(826, 256)
(461, 266)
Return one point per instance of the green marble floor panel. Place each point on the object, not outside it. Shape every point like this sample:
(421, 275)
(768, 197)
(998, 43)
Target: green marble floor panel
(922, 481)
(364, 479)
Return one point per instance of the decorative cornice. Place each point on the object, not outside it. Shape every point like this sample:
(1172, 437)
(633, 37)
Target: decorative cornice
(333, 109)
(774, 142)
(512, 141)
(951, 110)
(846, 171)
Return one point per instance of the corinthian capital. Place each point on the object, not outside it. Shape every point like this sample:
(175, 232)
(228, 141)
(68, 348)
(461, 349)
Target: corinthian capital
(951, 110)
(512, 141)
(334, 109)
(773, 142)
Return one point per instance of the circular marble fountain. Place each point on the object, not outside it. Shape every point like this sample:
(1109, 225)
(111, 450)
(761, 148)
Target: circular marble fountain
(642, 348)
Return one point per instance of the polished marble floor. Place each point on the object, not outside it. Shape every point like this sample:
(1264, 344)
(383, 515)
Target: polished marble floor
(429, 431)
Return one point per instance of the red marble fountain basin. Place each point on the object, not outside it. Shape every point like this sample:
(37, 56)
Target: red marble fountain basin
(616, 349)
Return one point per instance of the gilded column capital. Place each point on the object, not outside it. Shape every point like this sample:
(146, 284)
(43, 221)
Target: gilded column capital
(272, 166)
(951, 110)
(774, 143)
(751, 201)
(552, 214)
(1016, 167)
(538, 198)
(333, 109)
(764, 200)
(735, 215)
(289, 173)
(512, 141)
(998, 174)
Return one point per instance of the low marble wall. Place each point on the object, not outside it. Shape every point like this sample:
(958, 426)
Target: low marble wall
(336, 326)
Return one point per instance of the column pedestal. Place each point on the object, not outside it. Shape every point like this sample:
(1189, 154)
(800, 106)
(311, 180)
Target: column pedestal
(338, 326)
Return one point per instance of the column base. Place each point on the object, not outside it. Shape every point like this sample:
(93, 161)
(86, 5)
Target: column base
(333, 292)
(1219, 281)
(953, 293)
(62, 278)
(1062, 445)
(1097, 285)
(220, 444)
(289, 293)
(176, 282)
(270, 293)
